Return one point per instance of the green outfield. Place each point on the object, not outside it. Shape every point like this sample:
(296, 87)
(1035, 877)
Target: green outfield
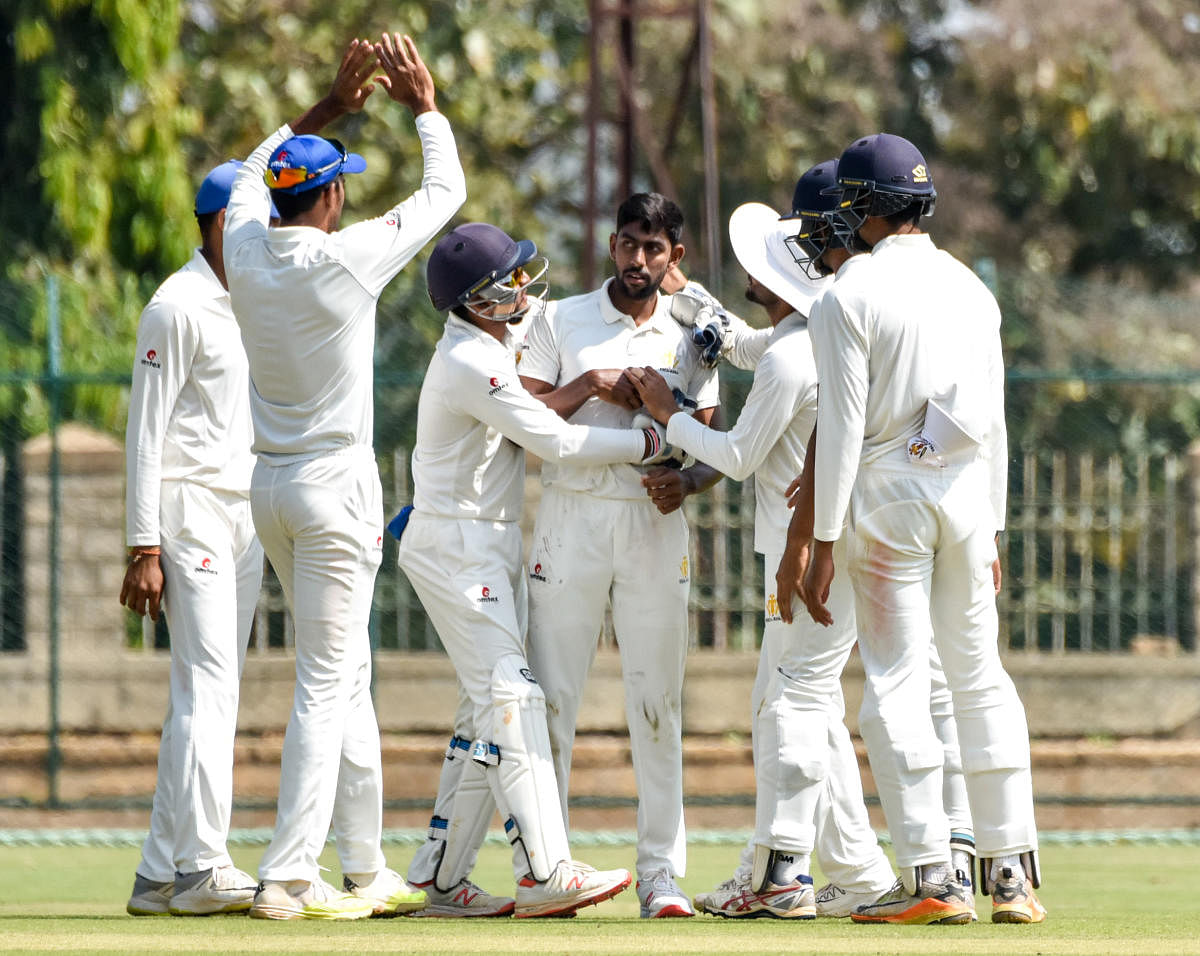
(1118, 899)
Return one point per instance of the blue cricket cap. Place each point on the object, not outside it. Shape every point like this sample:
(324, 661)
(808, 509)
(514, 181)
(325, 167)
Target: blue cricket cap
(309, 162)
(213, 194)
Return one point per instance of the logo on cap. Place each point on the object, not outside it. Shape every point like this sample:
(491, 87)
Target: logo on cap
(920, 174)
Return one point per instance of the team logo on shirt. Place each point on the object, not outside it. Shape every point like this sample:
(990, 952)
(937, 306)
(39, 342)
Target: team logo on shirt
(536, 573)
(496, 385)
(485, 596)
(772, 613)
(205, 567)
(683, 570)
(149, 360)
(670, 361)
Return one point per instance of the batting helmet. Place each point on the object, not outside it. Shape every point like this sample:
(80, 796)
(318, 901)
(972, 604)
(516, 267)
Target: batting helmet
(478, 260)
(813, 198)
(880, 175)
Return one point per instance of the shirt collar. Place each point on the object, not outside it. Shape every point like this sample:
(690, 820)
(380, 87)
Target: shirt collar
(200, 266)
(910, 239)
(462, 327)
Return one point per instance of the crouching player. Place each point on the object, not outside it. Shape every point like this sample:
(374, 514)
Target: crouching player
(461, 549)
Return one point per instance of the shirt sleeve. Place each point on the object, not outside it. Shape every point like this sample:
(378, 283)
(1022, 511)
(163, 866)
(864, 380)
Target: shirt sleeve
(494, 395)
(376, 249)
(840, 348)
(774, 398)
(166, 348)
(744, 344)
(248, 212)
(705, 387)
(540, 358)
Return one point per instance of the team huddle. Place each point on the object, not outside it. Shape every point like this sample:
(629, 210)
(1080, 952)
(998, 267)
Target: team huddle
(877, 509)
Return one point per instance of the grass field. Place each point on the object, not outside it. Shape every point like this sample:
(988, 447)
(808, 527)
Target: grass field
(1120, 899)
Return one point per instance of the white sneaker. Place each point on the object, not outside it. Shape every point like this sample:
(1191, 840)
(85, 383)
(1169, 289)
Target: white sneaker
(739, 901)
(149, 897)
(389, 892)
(221, 889)
(570, 886)
(661, 897)
(300, 899)
(465, 899)
(836, 901)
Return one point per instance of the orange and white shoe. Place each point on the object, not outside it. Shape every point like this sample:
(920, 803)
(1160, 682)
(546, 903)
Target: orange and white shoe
(1014, 901)
(944, 902)
(572, 885)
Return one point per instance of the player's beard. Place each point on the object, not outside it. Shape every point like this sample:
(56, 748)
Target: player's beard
(642, 292)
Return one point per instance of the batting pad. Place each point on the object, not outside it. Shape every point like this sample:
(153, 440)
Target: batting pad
(470, 813)
(526, 770)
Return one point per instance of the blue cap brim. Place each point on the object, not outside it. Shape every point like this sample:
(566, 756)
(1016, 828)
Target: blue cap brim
(354, 163)
(526, 250)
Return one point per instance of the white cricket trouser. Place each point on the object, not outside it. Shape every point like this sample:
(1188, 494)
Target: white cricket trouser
(588, 551)
(941, 709)
(470, 580)
(921, 562)
(808, 787)
(212, 568)
(321, 524)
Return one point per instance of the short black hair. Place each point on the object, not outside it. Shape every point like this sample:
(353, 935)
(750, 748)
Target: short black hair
(291, 205)
(206, 220)
(909, 215)
(655, 212)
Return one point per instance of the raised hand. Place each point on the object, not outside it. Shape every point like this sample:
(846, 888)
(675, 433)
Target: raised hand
(405, 75)
(352, 85)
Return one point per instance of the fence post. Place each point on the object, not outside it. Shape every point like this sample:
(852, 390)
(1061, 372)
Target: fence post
(54, 384)
(1193, 467)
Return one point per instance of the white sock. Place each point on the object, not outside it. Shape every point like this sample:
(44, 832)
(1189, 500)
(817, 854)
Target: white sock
(786, 866)
(1012, 862)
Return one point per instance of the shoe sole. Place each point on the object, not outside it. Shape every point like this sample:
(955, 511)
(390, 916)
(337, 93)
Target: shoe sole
(670, 911)
(569, 909)
(1017, 916)
(403, 908)
(139, 911)
(279, 912)
(219, 909)
(922, 914)
(436, 911)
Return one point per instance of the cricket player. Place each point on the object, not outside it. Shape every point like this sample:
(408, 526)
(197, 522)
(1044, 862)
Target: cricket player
(461, 549)
(809, 791)
(305, 295)
(613, 533)
(911, 444)
(193, 556)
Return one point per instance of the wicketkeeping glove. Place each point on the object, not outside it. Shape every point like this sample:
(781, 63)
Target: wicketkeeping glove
(694, 307)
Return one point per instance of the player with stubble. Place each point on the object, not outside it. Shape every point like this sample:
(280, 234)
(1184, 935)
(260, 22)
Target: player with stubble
(616, 533)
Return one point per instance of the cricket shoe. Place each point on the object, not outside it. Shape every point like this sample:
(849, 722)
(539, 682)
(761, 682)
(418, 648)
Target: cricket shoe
(837, 901)
(1013, 899)
(661, 897)
(791, 901)
(149, 897)
(300, 899)
(571, 886)
(389, 893)
(220, 889)
(741, 875)
(465, 899)
(932, 903)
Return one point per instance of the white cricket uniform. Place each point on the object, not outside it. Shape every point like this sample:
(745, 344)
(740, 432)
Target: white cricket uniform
(464, 800)
(306, 301)
(462, 546)
(808, 783)
(188, 462)
(901, 326)
(598, 538)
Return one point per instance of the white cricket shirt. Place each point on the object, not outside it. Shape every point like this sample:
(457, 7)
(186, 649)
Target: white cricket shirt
(474, 420)
(771, 434)
(305, 300)
(585, 332)
(189, 408)
(904, 324)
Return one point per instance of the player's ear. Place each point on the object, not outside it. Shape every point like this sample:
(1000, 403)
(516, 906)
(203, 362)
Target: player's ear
(678, 251)
(612, 246)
